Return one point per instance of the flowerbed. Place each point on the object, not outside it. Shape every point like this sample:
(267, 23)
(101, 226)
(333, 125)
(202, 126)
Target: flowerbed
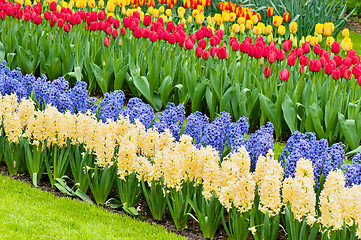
(237, 78)
(172, 169)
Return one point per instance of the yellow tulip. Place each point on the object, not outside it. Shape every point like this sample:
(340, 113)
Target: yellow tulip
(294, 42)
(254, 19)
(328, 28)
(225, 16)
(302, 41)
(277, 21)
(101, 3)
(217, 17)
(330, 41)
(200, 19)
(232, 17)
(270, 38)
(257, 30)
(242, 28)
(235, 28)
(210, 20)
(221, 27)
(345, 33)
(249, 24)
(91, 3)
(189, 20)
(346, 46)
(241, 20)
(161, 9)
(183, 21)
(181, 10)
(293, 27)
(313, 41)
(319, 28)
(168, 12)
(308, 38)
(155, 13)
(319, 38)
(281, 30)
(268, 30)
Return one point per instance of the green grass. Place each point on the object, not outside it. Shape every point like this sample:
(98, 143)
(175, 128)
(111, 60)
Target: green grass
(356, 40)
(29, 213)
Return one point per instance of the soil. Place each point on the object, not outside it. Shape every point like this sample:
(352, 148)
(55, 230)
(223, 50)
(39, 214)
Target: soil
(192, 230)
(354, 24)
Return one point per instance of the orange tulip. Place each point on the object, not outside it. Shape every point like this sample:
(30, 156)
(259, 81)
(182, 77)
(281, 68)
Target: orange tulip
(287, 17)
(270, 11)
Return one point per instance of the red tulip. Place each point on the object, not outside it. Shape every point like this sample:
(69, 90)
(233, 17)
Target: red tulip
(138, 32)
(53, 18)
(348, 74)
(336, 74)
(38, 20)
(47, 15)
(335, 47)
(116, 23)
(171, 39)
(27, 16)
(272, 57)
(106, 41)
(205, 55)
(280, 55)
(145, 32)
(202, 43)
(338, 60)
(122, 31)
(315, 65)
(52, 6)
(94, 17)
(267, 72)
(287, 45)
(291, 60)
(136, 15)
(329, 68)
(221, 52)
(284, 75)
(306, 47)
(93, 26)
(304, 60)
(302, 69)
(347, 62)
(170, 26)
(258, 53)
(188, 44)
(153, 37)
(351, 53)
(286, 17)
(213, 41)
(109, 30)
(147, 20)
(199, 34)
(67, 27)
(299, 52)
(235, 46)
(356, 60)
(317, 49)
(198, 52)
(115, 34)
(212, 51)
(60, 22)
(101, 15)
(19, 15)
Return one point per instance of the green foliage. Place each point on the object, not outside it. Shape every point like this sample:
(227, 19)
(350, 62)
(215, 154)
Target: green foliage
(29, 213)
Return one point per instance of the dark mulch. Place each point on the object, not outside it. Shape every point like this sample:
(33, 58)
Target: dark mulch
(354, 24)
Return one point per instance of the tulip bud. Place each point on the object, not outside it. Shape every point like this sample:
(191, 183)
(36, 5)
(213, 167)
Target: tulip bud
(302, 69)
(120, 42)
(348, 74)
(359, 81)
(205, 55)
(51, 37)
(267, 72)
(106, 41)
(103, 64)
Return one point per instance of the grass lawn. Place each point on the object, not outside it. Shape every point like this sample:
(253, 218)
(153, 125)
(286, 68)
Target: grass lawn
(29, 213)
(356, 40)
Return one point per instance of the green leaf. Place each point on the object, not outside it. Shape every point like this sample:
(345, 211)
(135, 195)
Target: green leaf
(289, 113)
(2, 52)
(198, 95)
(349, 130)
(269, 109)
(165, 89)
(316, 112)
(142, 85)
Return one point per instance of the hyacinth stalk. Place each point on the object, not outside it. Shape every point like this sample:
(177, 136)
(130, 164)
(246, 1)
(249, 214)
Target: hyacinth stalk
(208, 211)
(34, 158)
(79, 160)
(101, 181)
(238, 224)
(129, 191)
(57, 162)
(178, 205)
(155, 196)
(13, 155)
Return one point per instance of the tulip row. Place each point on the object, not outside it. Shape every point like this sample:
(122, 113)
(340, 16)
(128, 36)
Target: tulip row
(184, 178)
(204, 87)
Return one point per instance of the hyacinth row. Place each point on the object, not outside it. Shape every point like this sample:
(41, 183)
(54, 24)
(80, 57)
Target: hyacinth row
(172, 154)
(170, 170)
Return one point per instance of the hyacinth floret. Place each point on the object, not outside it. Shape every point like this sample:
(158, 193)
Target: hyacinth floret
(137, 109)
(214, 134)
(111, 106)
(195, 125)
(237, 130)
(172, 118)
(259, 143)
(79, 96)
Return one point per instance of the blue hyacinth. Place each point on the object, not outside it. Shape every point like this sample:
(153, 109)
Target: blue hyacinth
(111, 106)
(195, 125)
(137, 109)
(237, 130)
(172, 118)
